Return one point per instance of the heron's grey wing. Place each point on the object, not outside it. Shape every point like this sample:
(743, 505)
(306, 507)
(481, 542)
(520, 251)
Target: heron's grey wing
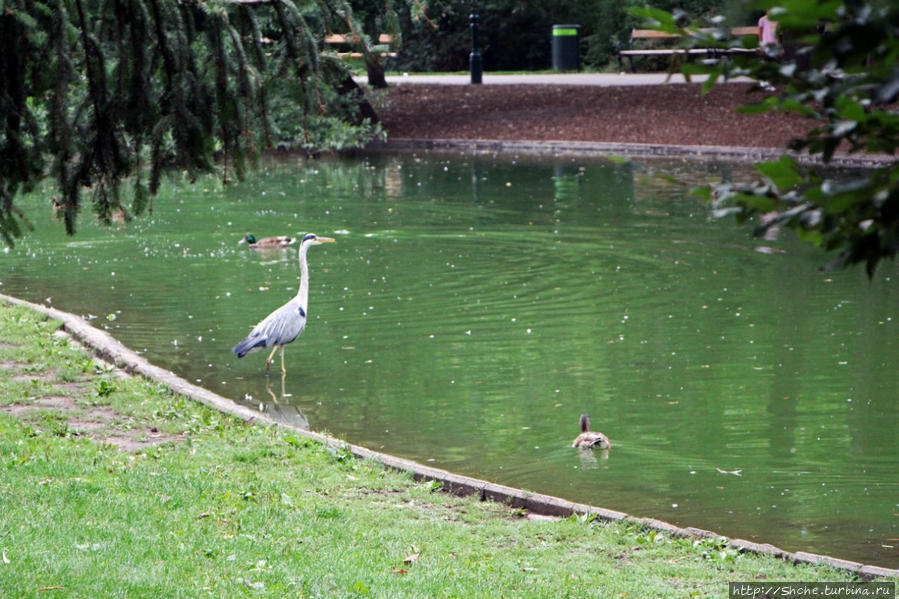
(283, 325)
(278, 328)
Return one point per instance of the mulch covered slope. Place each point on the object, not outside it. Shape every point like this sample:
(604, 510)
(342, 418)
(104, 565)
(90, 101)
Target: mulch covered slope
(657, 114)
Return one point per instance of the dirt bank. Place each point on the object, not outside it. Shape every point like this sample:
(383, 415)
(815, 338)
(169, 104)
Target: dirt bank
(658, 114)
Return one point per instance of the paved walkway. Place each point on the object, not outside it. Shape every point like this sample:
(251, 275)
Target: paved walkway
(606, 79)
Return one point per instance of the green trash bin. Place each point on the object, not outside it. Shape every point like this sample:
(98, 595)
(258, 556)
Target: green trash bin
(566, 47)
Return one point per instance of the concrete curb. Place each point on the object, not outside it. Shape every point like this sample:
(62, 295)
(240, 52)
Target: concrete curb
(629, 150)
(108, 348)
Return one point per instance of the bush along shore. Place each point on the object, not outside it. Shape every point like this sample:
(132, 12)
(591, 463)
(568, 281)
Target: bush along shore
(111, 485)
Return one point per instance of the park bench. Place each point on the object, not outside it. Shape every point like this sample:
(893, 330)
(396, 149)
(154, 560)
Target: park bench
(382, 47)
(652, 34)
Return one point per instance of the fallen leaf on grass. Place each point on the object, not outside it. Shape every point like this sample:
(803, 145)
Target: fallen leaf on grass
(411, 559)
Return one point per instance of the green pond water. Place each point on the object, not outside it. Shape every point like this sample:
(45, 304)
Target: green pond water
(473, 307)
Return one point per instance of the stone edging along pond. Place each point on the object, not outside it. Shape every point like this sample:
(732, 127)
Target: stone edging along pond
(107, 347)
(624, 150)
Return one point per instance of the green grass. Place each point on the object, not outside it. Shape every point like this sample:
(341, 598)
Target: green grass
(234, 510)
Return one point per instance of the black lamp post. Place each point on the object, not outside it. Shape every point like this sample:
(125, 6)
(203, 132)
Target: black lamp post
(474, 59)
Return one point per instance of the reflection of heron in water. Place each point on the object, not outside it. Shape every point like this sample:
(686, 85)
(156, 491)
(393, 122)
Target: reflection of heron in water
(287, 322)
(286, 412)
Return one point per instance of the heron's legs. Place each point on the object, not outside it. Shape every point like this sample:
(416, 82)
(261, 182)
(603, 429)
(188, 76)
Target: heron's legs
(268, 362)
(283, 370)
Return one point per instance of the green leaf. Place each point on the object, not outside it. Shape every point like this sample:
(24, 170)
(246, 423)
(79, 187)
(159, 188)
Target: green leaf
(812, 236)
(758, 203)
(655, 18)
(753, 108)
(793, 105)
(703, 193)
(783, 173)
(849, 109)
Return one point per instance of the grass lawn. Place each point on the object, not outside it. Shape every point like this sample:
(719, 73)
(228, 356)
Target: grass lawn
(111, 486)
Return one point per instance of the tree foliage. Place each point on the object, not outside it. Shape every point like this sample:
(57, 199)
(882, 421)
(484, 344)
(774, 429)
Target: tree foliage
(513, 34)
(516, 34)
(97, 92)
(837, 63)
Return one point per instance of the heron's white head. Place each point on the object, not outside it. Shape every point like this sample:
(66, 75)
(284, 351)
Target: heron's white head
(313, 239)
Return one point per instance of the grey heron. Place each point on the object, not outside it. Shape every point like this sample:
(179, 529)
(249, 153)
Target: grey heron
(287, 322)
(281, 241)
(589, 439)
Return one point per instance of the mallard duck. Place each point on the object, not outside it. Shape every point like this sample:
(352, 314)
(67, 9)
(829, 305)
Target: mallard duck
(588, 439)
(281, 241)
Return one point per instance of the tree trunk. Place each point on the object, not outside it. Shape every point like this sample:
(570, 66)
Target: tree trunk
(375, 70)
(348, 87)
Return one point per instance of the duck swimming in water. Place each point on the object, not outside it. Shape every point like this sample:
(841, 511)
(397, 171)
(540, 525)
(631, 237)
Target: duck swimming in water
(281, 241)
(589, 439)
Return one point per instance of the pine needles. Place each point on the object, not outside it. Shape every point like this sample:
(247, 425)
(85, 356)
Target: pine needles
(106, 95)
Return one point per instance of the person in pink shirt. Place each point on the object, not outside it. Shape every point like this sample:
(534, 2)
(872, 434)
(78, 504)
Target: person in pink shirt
(767, 31)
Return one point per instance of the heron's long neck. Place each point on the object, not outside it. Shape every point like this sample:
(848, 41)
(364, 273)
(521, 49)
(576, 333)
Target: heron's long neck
(303, 293)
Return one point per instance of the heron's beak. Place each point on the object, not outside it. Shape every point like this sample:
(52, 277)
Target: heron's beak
(325, 239)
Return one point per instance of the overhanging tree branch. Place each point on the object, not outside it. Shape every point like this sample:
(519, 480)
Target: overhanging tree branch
(95, 100)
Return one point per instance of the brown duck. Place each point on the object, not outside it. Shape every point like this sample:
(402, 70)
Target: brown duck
(589, 439)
